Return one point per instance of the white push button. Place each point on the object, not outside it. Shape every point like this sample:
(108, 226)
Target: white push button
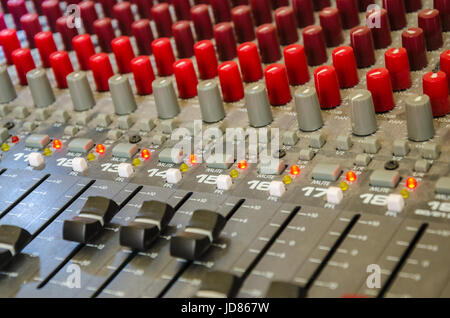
(276, 188)
(35, 159)
(125, 170)
(224, 182)
(395, 203)
(334, 195)
(79, 164)
(173, 175)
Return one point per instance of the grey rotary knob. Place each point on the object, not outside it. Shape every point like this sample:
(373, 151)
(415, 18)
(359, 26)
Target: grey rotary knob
(7, 91)
(307, 105)
(122, 95)
(419, 118)
(40, 88)
(80, 91)
(165, 98)
(364, 121)
(210, 101)
(258, 106)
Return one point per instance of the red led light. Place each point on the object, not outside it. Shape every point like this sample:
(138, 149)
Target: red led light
(193, 159)
(145, 153)
(15, 139)
(351, 176)
(100, 149)
(295, 170)
(57, 144)
(411, 183)
(242, 164)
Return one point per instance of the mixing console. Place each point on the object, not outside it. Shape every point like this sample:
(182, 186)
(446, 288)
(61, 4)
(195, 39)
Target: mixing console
(225, 148)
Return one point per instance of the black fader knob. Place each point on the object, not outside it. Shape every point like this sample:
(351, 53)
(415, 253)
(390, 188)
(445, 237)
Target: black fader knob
(218, 284)
(12, 240)
(203, 229)
(152, 218)
(96, 212)
(279, 289)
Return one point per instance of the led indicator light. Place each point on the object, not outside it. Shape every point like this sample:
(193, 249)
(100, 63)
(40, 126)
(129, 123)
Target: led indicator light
(145, 153)
(411, 183)
(343, 186)
(47, 152)
(184, 167)
(242, 164)
(193, 159)
(100, 149)
(57, 144)
(287, 179)
(351, 176)
(404, 193)
(136, 162)
(5, 147)
(295, 170)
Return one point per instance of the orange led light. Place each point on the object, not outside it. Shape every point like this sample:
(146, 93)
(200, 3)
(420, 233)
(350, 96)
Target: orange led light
(351, 176)
(193, 159)
(100, 149)
(242, 164)
(411, 183)
(295, 170)
(145, 153)
(57, 144)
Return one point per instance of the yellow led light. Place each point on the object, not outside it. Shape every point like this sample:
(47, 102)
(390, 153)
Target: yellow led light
(90, 157)
(47, 152)
(136, 162)
(404, 193)
(184, 167)
(234, 173)
(343, 186)
(287, 179)
(5, 147)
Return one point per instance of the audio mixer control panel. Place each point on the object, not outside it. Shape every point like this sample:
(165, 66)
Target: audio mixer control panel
(225, 148)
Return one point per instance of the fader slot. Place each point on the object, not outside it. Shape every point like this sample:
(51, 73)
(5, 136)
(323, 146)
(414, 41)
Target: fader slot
(227, 209)
(403, 259)
(289, 251)
(150, 272)
(133, 253)
(27, 264)
(21, 194)
(101, 257)
(189, 264)
(425, 266)
(49, 245)
(271, 241)
(32, 212)
(331, 252)
(102, 243)
(307, 275)
(239, 246)
(362, 247)
(390, 257)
